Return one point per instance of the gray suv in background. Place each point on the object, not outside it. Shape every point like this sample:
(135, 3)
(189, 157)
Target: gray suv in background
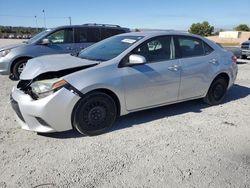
(60, 40)
(245, 47)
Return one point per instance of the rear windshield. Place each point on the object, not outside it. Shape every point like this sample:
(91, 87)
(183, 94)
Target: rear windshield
(109, 48)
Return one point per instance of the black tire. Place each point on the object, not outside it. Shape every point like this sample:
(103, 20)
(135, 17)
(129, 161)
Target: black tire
(243, 57)
(18, 68)
(217, 91)
(94, 114)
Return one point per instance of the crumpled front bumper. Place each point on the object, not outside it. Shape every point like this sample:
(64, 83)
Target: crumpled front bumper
(49, 114)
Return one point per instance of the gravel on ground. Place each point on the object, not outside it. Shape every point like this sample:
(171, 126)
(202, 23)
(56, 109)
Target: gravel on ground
(183, 145)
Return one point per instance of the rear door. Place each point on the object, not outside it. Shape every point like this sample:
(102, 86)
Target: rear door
(198, 63)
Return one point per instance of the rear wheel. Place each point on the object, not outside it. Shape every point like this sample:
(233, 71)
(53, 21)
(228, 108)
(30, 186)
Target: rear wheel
(217, 91)
(94, 114)
(18, 68)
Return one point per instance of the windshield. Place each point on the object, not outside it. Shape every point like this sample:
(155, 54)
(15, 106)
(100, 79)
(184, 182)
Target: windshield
(109, 48)
(38, 36)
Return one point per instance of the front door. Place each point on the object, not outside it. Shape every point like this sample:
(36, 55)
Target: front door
(61, 41)
(157, 81)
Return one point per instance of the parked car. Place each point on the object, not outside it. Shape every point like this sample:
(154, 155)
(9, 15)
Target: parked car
(235, 50)
(65, 39)
(11, 36)
(120, 75)
(245, 47)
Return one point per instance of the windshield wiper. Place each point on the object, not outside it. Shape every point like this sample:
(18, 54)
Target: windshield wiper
(93, 59)
(98, 59)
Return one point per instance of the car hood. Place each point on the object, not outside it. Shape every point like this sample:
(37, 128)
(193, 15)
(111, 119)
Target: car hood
(11, 46)
(54, 65)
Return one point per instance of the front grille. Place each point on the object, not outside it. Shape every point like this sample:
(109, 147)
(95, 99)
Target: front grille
(16, 108)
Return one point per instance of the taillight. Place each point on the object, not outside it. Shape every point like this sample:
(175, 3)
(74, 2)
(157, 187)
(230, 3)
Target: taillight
(234, 59)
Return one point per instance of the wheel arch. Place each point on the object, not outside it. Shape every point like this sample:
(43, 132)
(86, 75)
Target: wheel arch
(223, 75)
(112, 95)
(100, 90)
(108, 92)
(18, 59)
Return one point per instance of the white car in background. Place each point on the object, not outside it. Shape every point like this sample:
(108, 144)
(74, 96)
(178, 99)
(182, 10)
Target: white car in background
(245, 48)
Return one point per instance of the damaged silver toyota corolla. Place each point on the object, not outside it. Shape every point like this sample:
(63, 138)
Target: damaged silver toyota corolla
(122, 74)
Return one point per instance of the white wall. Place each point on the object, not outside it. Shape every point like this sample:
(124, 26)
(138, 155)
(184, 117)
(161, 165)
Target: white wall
(229, 34)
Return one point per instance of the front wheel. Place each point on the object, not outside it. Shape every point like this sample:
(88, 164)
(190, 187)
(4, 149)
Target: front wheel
(217, 91)
(94, 114)
(18, 68)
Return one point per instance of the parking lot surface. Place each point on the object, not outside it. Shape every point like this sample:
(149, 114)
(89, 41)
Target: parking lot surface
(183, 145)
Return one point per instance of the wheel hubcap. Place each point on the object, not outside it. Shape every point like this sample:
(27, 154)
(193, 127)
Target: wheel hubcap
(218, 91)
(21, 67)
(96, 115)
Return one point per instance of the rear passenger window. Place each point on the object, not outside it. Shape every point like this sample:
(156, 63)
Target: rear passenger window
(93, 34)
(208, 49)
(113, 32)
(80, 35)
(190, 47)
(109, 32)
(104, 33)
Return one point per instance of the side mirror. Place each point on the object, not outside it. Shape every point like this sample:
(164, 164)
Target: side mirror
(136, 59)
(45, 41)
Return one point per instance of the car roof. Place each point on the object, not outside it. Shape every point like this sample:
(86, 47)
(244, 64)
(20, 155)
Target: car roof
(92, 25)
(159, 33)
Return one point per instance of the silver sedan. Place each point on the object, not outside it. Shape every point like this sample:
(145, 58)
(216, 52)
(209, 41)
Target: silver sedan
(120, 75)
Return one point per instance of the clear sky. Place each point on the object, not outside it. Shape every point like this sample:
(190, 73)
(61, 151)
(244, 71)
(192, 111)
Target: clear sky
(162, 14)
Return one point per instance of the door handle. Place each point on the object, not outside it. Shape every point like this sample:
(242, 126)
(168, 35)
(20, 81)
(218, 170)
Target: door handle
(174, 68)
(213, 61)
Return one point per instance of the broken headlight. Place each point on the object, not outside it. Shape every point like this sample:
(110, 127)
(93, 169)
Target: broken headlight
(45, 88)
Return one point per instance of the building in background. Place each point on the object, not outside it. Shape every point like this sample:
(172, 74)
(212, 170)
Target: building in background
(231, 37)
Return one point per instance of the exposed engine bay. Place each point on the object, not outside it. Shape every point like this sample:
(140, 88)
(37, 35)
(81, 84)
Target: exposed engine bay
(53, 77)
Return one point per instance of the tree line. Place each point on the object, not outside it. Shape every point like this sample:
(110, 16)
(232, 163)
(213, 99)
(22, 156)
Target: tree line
(205, 29)
(14, 32)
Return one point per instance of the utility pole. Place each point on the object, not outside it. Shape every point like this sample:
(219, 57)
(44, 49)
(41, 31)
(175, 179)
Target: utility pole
(69, 20)
(44, 19)
(36, 24)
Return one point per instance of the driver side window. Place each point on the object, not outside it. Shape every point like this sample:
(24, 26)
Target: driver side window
(157, 49)
(61, 36)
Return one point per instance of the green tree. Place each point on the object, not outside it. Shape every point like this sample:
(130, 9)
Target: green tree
(203, 29)
(242, 27)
